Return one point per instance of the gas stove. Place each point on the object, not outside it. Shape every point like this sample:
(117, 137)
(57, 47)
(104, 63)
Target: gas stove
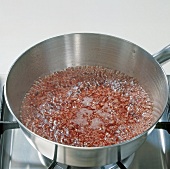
(17, 153)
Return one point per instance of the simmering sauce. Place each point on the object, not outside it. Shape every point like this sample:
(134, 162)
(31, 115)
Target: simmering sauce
(87, 106)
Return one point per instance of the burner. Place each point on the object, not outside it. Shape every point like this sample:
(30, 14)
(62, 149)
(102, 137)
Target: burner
(126, 163)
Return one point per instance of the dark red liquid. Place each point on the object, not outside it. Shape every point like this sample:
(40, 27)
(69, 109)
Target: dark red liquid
(87, 106)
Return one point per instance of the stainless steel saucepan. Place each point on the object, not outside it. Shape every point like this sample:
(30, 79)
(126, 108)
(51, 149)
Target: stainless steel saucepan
(87, 49)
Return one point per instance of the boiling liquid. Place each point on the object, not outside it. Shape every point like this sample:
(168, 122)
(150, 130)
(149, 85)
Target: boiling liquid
(87, 106)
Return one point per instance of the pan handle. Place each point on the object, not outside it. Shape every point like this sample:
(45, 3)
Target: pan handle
(163, 56)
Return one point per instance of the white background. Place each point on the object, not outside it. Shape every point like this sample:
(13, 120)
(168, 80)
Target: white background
(23, 23)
